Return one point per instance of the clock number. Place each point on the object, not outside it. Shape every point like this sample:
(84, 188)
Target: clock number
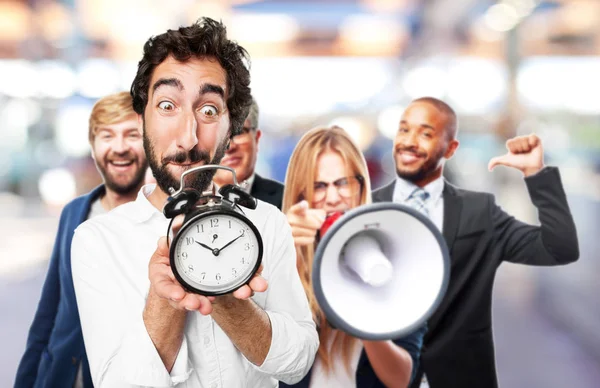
(189, 240)
(200, 228)
(184, 255)
(218, 277)
(247, 246)
(229, 224)
(214, 223)
(243, 260)
(203, 275)
(233, 271)
(191, 268)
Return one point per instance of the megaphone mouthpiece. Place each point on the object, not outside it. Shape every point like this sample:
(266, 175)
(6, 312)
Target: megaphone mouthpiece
(363, 256)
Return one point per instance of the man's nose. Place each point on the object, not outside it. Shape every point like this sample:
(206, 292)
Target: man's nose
(188, 134)
(409, 139)
(120, 145)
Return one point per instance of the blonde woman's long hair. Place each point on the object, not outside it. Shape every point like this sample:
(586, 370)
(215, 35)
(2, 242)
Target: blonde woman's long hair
(299, 185)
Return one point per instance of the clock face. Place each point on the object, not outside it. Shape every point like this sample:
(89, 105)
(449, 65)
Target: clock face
(216, 253)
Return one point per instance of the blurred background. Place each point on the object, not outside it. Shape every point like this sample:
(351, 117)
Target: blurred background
(508, 67)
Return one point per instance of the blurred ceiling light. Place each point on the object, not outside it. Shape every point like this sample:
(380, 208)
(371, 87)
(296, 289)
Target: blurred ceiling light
(131, 21)
(476, 85)
(255, 27)
(54, 20)
(16, 116)
(358, 131)
(425, 80)
(18, 78)
(71, 129)
(387, 5)
(388, 121)
(539, 83)
(501, 17)
(15, 21)
(522, 7)
(57, 187)
(56, 79)
(482, 31)
(218, 10)
(315, 85)
(280, 86)
(581, 15)
(569, 83)
(97, 78)
(583, 80)
(372, 35)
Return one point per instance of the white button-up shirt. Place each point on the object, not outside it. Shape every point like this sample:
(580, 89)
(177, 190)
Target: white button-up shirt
(434, 204)
(110, 256)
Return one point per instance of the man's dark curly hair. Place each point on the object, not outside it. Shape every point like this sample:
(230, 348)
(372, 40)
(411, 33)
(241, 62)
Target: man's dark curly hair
(205, 38)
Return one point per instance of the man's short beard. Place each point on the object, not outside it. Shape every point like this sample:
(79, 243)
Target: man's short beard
(428, 168)
(130, 187)
(199, 181)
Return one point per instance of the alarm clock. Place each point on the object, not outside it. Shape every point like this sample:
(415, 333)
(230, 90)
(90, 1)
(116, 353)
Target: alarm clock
(214, 249)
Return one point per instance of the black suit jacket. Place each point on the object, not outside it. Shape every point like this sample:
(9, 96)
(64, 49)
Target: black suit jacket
(458, 348)
(267, 190)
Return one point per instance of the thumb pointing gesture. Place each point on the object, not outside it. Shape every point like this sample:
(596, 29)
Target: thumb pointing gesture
(525, 153)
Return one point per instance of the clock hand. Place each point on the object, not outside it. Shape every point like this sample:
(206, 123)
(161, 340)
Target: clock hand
(215, 251)
(230, 242)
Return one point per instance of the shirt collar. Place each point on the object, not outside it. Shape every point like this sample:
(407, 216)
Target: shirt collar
(246, 185)
(403, 189)
(143, 210)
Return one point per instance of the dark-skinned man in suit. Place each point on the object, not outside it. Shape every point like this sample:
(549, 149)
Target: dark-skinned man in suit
(458, 349)
(241, 156)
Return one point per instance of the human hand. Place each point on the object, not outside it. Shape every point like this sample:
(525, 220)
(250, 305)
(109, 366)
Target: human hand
(305, 222)
(165, 285)
(525, 153)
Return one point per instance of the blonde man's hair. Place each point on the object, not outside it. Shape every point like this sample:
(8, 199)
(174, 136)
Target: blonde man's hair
(112, 109)
(299, 185)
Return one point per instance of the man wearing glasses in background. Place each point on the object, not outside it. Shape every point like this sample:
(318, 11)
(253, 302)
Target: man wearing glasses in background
(241, 156)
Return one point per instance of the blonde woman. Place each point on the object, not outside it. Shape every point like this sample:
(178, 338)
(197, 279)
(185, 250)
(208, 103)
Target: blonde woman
(327, 173)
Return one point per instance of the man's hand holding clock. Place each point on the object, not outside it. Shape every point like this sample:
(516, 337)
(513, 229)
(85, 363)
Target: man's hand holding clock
(164, 284)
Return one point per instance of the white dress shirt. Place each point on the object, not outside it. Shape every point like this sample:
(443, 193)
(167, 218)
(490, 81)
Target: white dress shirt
(110, 256)
(434, 204)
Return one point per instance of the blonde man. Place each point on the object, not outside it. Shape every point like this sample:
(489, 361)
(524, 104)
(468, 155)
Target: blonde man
(55, 354)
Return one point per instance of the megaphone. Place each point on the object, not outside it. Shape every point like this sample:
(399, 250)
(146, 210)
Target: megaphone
(380, 271)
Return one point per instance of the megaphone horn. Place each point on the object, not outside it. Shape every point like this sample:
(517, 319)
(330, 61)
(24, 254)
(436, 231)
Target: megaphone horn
(380, 271)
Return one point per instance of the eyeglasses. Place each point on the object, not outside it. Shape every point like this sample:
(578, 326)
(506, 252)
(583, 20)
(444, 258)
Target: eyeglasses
(243, 137)
(346, 187)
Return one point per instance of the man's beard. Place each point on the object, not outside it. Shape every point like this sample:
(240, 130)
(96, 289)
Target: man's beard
(429, 167)
(130, 186)
(199, 180)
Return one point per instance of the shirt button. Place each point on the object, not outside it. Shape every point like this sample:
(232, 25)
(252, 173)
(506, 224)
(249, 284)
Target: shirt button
(206, 342)
(74, 360)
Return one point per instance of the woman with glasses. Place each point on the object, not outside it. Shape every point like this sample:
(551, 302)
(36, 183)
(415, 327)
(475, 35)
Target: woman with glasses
(327, 175)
